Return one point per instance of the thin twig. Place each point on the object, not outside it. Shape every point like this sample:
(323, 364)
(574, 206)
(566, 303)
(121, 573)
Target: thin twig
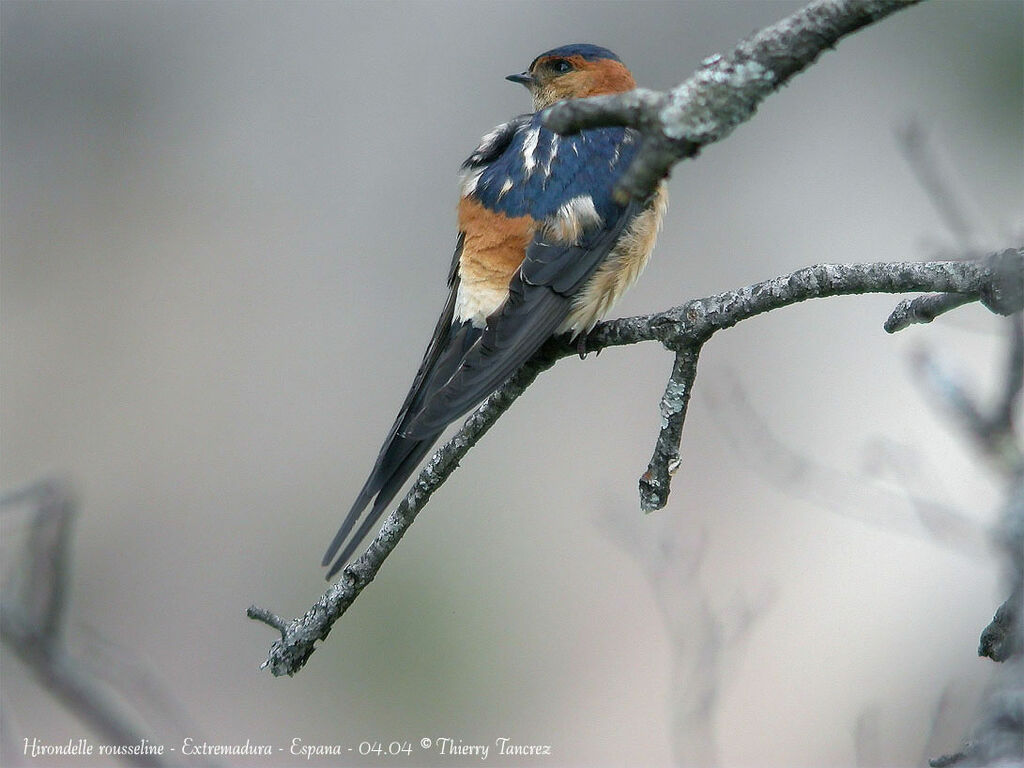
(936, 180)
(655, 483)
(804, 476)
(1013, 377)
(267, 617)
(993, 430)
(923, 309)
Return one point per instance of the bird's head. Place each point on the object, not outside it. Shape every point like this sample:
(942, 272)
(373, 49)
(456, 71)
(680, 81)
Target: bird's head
(573, 72)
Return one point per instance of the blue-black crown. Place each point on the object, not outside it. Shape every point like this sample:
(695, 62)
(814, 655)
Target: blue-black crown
(586, 50)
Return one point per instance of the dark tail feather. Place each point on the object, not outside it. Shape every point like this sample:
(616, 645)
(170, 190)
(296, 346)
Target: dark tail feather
(400, 453)
(414, 451)
(391, 460)
(526, 321)
(346, 527)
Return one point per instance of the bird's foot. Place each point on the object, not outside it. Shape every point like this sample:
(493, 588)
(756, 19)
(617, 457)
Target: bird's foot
(581, 346)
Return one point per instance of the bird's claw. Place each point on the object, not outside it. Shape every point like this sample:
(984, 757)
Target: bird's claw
(581, 346)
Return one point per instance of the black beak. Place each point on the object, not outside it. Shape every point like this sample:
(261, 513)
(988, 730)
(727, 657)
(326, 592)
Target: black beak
(523, 78)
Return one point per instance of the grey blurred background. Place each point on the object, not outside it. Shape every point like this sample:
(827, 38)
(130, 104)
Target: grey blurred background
(225, 233)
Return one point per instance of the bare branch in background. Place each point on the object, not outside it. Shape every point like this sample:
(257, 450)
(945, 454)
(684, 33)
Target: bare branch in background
(937, 181)
(998, 738)
(942, 721)
(33, 624)
(897, 509)
(9, 752)
(135, 679)
(933, 172)
(704, 639)
(936, 178)
(993, 431)
(867, 739)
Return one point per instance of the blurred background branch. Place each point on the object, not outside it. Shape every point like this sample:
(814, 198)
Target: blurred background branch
(108, 691)
(998, 738)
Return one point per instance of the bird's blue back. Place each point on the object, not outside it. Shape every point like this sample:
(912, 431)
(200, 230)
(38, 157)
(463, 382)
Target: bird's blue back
(564, 167)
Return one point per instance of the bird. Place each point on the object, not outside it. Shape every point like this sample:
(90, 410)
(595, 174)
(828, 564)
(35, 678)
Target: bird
(543, 248)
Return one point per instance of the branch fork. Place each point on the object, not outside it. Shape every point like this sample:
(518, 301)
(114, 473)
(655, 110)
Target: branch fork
(683, 330)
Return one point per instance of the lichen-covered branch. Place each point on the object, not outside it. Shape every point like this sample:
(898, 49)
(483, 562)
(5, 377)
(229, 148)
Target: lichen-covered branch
(1000, 639)
(722, 94)
(923, 309)
(683, 328)
(655, 483)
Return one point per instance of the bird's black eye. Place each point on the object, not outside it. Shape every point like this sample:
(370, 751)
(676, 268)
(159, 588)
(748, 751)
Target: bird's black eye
(561, 66)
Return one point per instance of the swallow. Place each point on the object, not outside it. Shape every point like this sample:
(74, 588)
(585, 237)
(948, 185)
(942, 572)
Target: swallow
(543, 248)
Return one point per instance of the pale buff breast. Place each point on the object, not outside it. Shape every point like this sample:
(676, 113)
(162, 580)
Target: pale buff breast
(619, 271)
(492, 250)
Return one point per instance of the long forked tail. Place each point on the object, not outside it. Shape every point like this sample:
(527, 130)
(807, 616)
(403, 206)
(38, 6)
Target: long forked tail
(398, 459)
(400, 455)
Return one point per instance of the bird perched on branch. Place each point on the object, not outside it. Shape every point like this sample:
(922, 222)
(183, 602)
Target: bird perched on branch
(543, 248)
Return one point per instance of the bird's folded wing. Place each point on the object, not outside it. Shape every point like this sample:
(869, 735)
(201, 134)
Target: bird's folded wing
(539, 300)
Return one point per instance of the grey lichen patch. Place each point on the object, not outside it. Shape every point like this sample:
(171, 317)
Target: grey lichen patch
(653, 493)
(715, 100)
(674, 400)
